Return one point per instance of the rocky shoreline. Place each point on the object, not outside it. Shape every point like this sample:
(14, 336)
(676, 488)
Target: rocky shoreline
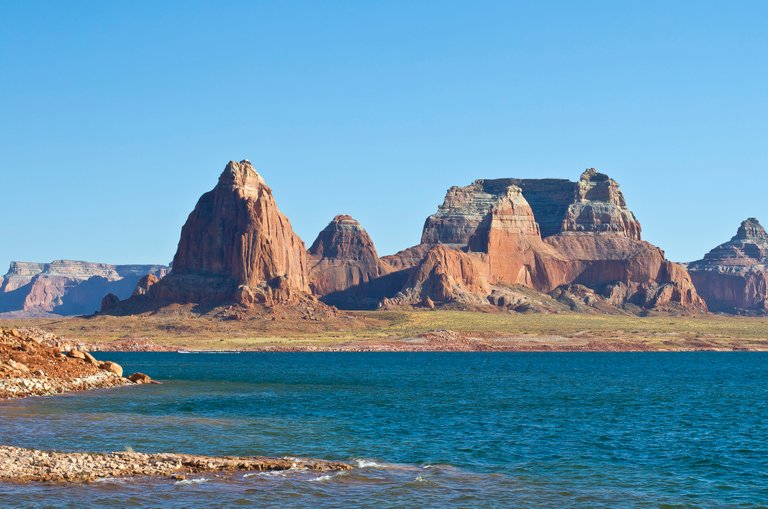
(37, 363)
(29, 465)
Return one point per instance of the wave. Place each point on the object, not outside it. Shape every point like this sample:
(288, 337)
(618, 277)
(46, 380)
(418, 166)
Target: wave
(276, 473)
(326, 477)
(188, 482)
(364, 463)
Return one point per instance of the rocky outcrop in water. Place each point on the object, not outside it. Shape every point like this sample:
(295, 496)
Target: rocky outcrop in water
(733, 277)
(32, 363)
(67, 287)
(19, 465)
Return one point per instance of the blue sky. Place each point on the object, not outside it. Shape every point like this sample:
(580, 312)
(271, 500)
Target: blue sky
(116, 116)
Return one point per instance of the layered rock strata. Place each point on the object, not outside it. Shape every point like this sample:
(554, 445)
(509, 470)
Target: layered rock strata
(591, 239)
(67, 287)
(594, 203)
(733, 277)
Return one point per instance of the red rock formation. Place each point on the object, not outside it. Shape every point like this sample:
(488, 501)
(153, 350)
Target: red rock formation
(145, 283)
(236, 247)
(516, 254)
(445, 275)
(342, 257)
(596, 246)
(626, 270)
(593, 204)
(407, 258)
(733, 277)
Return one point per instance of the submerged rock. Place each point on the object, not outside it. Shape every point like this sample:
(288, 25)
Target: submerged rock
(28, 465)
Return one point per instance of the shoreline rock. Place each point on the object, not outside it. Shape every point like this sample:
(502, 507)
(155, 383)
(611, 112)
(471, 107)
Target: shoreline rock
(29, 465)
(31, 366)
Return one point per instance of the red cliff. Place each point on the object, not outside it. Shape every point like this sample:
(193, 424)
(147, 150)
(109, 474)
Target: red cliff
(235, 248)
(590, 239)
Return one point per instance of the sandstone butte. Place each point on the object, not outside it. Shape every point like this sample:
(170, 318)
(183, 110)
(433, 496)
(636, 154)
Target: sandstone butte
(236, 249)
(514, 244)
(733, 277)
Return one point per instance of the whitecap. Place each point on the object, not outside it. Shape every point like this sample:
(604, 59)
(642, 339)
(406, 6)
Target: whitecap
(113, 480)
(326, 477)
(363, 463)
(187, 482)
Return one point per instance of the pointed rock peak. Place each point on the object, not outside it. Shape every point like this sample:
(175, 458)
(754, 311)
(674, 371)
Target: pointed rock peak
(344, 237)
(241, 175)
(751, 229)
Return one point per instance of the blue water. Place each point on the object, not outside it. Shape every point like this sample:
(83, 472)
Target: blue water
(538, 430)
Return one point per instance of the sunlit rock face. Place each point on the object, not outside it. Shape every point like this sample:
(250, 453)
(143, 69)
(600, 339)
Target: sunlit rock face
(733, 277)
(543, 234)
(236, 247)
(343, 256)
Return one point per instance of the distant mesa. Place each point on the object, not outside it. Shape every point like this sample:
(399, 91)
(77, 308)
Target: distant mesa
(67, 287)
(733, 277)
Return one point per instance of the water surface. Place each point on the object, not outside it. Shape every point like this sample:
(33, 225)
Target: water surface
(539, 430)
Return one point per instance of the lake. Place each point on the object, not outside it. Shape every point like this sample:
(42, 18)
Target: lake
(536, 430)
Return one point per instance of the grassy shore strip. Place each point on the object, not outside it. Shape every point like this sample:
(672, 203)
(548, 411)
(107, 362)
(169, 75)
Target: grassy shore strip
(415, 330)
(28, 465)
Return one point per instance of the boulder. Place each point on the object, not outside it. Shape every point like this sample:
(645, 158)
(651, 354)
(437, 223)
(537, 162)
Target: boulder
(140, 378)
(76, 354)
(17, 366)
(112, 367)
(90, 358)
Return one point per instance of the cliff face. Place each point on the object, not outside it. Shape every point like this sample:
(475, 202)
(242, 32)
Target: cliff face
(594, 203)
(343, 257)
(589, 238)
(66, 287)
(733, 277)
(235, 248)
(599, 206)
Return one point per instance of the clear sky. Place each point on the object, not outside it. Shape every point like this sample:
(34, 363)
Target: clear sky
(116, 115)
